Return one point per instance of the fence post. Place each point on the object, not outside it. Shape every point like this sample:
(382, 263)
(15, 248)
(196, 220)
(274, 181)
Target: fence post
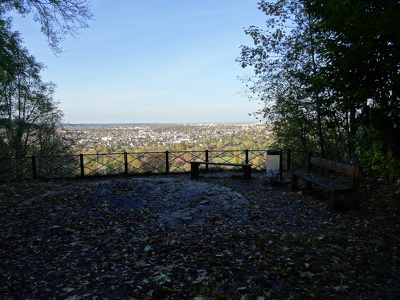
(125, 163)
(167, 162)
(280, 166)
(82, 165)
(246, 156)
(34, 174)
(206, 159)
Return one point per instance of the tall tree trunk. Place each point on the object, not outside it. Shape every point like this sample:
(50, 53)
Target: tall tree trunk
(317, 97)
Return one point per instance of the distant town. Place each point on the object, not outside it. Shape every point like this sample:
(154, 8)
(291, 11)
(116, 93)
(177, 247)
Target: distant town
(109, 138)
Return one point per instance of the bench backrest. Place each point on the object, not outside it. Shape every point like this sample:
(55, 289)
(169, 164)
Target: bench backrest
(351, 170)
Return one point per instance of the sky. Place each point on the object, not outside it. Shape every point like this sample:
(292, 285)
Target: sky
(152, 61)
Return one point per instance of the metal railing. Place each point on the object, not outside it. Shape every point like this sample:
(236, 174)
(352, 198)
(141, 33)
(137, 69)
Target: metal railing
(124, 163)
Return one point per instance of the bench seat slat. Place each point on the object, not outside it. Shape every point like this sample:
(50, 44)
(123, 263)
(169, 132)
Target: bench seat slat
(322, 181)
(195, 165)
(224, 164)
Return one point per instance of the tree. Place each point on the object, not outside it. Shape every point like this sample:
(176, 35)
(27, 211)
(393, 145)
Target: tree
(328, 71)
(363, 66)
(287, 64)
(57, 17)
(29, 116)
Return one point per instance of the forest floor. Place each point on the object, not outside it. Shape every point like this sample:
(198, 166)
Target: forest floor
(170, 237)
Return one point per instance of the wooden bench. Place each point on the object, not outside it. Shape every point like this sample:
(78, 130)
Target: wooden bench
(335, 188)
(195, 166)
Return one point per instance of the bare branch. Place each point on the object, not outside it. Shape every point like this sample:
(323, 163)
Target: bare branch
(56, 17)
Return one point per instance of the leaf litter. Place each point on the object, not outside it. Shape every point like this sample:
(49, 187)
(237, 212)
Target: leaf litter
(218, 237)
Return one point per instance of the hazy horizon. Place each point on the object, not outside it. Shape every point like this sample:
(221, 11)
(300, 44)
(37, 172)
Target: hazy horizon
(159, 123)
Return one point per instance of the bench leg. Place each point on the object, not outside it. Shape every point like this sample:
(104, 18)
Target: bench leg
(294, 182)
(355, 199)
(247, 172)
(335, 202)
(334, 199)
(307, 187)
(194, 170)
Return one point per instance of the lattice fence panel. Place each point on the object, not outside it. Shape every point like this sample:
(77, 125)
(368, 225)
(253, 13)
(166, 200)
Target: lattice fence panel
(258, 158)
(146, 162)
(16, 169)
(138, 163)
(103, 164)
(179, 161)
(227, 156)
(298, 159)
(66, 166)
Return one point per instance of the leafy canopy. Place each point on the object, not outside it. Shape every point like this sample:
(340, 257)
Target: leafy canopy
(328, 73)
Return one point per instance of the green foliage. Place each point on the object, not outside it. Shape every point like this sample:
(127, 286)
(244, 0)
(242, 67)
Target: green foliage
(328, 73)
(29, 116)
(363, 58)
(377, 160)
(287, 64)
